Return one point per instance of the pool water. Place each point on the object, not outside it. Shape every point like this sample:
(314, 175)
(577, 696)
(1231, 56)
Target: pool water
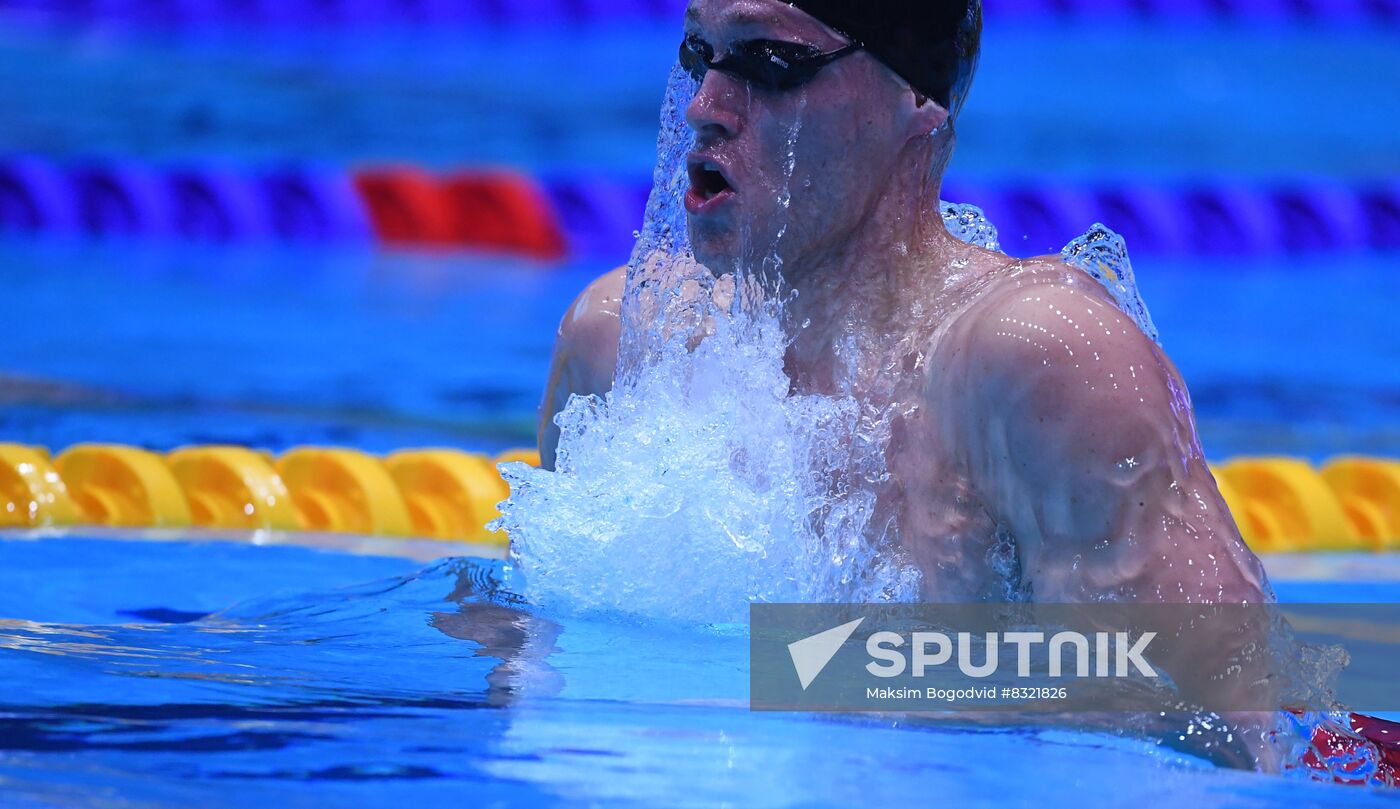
(1227, 100)
(275, 347)
(165, 673)
(169, 673)
(224, 674)
(177, 673)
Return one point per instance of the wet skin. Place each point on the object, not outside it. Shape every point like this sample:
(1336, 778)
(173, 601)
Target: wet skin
(1040, 438)
(1040, 412)
(1048, 419)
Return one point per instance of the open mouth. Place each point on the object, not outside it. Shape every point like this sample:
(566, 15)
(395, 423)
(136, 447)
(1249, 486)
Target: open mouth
(708, 180)
(708, 185)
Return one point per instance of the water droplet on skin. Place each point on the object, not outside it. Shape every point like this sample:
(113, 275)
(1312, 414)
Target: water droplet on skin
(702, 482)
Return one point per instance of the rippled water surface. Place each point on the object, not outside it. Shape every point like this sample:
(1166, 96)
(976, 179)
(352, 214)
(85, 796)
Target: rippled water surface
(161, 674)
(212, 674)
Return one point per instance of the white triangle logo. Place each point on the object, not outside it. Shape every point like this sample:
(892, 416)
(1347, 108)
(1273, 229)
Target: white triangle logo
(811, 654)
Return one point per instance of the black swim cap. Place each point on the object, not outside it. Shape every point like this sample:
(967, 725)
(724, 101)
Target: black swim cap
(932, 44)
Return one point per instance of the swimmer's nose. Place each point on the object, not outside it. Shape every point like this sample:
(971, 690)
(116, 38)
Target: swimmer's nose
(713, 113)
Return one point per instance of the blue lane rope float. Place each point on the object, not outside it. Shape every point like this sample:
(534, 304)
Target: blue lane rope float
(121, 199)
(594, 216)
(1380, 207)
(216, 204)
(314, 204)
(35, 197)
(598, 215)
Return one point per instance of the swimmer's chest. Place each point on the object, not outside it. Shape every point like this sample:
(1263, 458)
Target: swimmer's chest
(945, 526)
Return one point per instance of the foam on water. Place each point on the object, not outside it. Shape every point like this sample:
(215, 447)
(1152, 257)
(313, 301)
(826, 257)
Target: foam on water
(701, 483)
(698, 488)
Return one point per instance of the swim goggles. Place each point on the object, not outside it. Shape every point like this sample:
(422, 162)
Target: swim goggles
(765, 63)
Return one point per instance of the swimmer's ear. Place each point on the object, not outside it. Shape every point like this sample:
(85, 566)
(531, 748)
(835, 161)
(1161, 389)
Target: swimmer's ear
(924, 114)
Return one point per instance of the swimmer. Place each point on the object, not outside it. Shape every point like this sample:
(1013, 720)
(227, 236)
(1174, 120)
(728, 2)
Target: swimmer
(1041, 446)
(1042, 434)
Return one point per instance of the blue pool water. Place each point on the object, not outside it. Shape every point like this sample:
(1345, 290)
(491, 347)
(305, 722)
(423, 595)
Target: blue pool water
(274, 347)
(1225, 101)
(230, 675)
(173, 673)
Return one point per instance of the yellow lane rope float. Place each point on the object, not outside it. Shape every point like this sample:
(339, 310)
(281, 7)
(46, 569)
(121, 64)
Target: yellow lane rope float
(1284, 504)
(1351, 503)
(433, 493)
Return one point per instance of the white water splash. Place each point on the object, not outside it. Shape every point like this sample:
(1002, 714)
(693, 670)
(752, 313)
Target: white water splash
(1104, 255)
(700, 484)
(701, 487)
(1100, 252)
(969, 223)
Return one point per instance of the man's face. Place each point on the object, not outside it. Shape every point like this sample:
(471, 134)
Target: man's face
(828, 146)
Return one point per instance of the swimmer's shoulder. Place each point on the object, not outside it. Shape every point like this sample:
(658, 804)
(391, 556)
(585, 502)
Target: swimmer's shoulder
(1047, 297)
(1040, 328)
(592, 327)
(585, 354)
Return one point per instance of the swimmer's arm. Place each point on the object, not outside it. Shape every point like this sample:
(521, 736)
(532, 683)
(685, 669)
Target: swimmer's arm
(585, 354)
(1083, 444)
(1084, 447)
